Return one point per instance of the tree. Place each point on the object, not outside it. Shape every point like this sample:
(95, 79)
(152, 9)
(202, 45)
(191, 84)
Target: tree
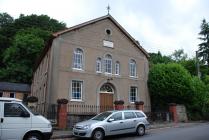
(26, 35)
(200, 101)
(20, 57)
(190, 66)
(5, 19)
(156, 58)
(179, 55)
(5, 23)
(169, 83)
(43, 22)
(204, 46)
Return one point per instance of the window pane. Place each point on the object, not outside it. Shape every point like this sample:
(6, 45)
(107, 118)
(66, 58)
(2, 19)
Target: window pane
(117, 116)
(98, 65)
(78, 59)
(108, 64)
(129, 115)
(133, 94)
(117, 68)
(13, 110)
(76, 90)
(12, 95)
(132, 68)
(139, 114)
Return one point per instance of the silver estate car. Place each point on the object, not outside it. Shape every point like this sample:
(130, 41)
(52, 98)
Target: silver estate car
(112, 123)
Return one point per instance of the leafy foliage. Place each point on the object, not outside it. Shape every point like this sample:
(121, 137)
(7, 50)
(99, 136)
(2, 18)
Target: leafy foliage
(200, 100)
(156, 58)
(179, 55)
(169, 83)
(20, 58)
(21, 41)
(204, 46)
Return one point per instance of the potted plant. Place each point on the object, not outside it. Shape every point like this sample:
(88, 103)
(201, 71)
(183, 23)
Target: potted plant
(119, 104)
(62, 101)
(32, 101)
(139, 105)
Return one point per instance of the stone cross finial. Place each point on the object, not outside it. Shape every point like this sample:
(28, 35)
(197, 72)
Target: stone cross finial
(108, 9)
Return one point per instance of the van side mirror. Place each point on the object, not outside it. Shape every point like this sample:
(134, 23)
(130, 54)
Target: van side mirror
(110, 120)
(25, 114)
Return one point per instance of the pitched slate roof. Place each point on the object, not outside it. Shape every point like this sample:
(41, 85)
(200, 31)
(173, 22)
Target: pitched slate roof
(14, 87)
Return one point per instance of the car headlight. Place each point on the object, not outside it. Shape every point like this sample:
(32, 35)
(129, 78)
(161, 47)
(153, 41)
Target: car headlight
(86, 126)
(49, 125)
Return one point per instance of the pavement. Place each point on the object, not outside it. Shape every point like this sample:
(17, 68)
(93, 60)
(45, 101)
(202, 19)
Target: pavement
(60, 134)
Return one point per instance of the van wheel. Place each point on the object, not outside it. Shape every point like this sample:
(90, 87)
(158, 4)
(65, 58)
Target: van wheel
(140, 131)
(98, 135)
(33, 136)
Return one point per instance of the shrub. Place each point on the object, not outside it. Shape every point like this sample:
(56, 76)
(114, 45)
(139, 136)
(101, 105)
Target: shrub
(118, 102)
(62, 101)
(32, 99)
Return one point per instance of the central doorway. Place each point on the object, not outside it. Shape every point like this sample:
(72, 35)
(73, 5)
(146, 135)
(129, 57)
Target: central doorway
(106, 97)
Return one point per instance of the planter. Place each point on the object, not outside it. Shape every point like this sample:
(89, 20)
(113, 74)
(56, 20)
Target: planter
(139, 105)
(32, 99)
(119, 107)
(119, 104)
(32, 105)
(62, 101)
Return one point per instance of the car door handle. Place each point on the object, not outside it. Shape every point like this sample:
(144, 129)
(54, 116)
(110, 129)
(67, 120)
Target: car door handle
(121, 122)
(134, 120)
(2, 120)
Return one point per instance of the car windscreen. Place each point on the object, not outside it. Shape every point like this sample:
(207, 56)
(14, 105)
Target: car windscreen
(102, 116)
(32, 110)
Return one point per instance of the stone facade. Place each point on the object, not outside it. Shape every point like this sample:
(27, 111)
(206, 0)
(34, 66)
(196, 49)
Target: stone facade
(55, 72)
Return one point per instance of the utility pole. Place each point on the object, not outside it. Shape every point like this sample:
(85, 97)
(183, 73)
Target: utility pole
(198, 65)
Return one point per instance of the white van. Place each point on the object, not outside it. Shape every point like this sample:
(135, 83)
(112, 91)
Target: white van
(17, 122)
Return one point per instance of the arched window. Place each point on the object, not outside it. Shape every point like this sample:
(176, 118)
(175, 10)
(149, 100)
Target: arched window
(78, 59)
(108, 64)
(99, 65)
(106, 88)
(132, 65)
(117, 68)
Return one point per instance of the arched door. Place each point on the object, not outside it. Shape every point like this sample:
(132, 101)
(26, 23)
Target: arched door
(106, 97)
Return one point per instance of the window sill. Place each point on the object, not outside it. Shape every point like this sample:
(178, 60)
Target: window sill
(76, 100)
(134, 77)
(75, 69)
(98, 72)
(108, 74)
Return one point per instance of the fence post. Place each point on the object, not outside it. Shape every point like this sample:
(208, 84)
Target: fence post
(172, 110)
(62, 114)
(139, 105)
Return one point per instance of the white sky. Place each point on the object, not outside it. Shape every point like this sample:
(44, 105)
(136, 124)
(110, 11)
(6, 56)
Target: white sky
(159, 25)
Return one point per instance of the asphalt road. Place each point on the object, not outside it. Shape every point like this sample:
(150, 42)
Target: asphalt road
(195, 132)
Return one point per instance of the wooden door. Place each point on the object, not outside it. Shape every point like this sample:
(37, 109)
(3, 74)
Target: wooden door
(106, 102)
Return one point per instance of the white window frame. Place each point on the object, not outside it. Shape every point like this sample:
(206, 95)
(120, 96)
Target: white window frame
(99, 65)
(136, 94)
(108, 62)
(78, 54)
(132, 68)
(117, 68)
(81, 90)
(12, 93)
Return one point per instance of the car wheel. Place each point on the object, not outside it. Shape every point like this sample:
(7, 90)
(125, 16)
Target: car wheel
(98, 135)
(140, 130)
(34, 136)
